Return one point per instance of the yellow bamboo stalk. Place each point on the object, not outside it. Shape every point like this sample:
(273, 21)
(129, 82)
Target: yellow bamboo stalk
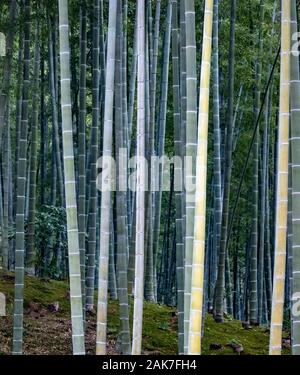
(194, 342)
(282, 185)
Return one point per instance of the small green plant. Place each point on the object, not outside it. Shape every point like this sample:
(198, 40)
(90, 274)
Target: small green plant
(164, 326)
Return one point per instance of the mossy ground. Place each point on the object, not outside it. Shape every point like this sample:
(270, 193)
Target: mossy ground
(254, 340)
(51, 334)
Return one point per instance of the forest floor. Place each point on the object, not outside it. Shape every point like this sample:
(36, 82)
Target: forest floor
(47, 327)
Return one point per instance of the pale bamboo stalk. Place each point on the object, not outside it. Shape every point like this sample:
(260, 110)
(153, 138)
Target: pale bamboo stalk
(190, 152)
(69, 181)
(140, 188)
(195, 326)
(282, 185)
(106, 193)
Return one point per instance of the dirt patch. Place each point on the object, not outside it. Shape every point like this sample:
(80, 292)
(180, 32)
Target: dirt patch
(49, 335)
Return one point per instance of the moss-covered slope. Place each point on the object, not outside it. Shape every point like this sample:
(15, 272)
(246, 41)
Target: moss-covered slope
(50, 333)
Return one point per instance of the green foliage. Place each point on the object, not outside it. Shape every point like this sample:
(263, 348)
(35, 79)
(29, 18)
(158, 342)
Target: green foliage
(164, 326)
(50, 240)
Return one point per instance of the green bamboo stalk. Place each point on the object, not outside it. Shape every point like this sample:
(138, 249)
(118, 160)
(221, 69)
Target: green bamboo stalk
(162, 128)
(1, 211)
(21, 188)
(82, 145)
(53, 170)
(121, 194)
(5, 87)
(220, 283)
(150, 150)
(5, 133)
(30, 255)
(55, 121)
(295, 142)
(92, 220)
(44, 133)
(217, 144)
(112, 283)
(102, 57)
(261, 265)
(148, 197)
(182, 54)
(267, 119)
(256, 250)
(125, 116)
(131, 260)
(4, 249)
(268, 262)
(228, 285)
(153, 66)
(178, 195)
(19, 93)
(10, 196)
(132, 84)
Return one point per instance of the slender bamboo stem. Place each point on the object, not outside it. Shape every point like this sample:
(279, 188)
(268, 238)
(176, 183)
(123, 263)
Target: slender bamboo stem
(282, 185)
(194, 346)
(141, 183)
(106, 193)
(69, 181)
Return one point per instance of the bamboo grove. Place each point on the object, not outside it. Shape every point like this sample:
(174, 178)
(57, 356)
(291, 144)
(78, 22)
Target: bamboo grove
(150, 151)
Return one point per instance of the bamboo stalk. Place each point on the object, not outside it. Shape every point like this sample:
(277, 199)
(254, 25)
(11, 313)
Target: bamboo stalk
(21, 190)
(195, 326)
(106, 193)
(190, 151)
(69, 181)
(295, 160)
(282, 185)
(140, 190)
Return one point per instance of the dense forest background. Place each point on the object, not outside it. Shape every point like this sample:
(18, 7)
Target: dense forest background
(36, 176)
